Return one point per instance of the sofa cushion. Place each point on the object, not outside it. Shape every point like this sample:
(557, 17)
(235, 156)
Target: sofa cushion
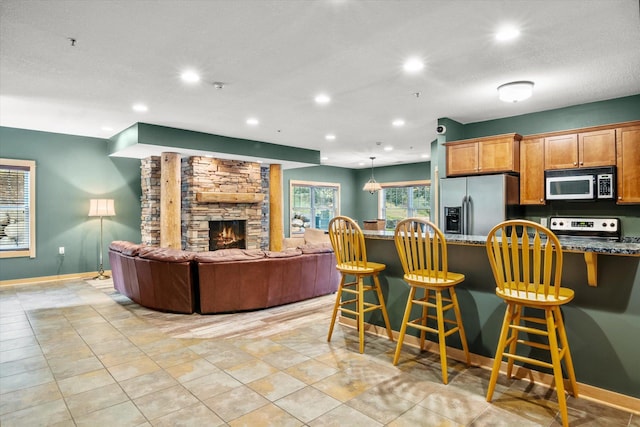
(287, 253)
(224, 255)
(165, 254)
(316, 248)
(314, 235)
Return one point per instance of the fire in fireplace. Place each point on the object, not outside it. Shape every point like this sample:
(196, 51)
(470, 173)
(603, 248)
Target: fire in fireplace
(227, 234)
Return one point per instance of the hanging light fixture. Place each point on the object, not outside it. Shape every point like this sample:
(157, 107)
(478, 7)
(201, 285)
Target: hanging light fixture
(515, 91)
(372, 185)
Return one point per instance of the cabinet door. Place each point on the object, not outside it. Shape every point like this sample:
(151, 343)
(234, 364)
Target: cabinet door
(532, 172)
(498, 155)
(628, 163)
(597, 148)
(462, 159)
(561, 152)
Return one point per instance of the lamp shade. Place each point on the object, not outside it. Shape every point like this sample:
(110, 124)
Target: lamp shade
(515, 91)
(101, 207)
(372, 186)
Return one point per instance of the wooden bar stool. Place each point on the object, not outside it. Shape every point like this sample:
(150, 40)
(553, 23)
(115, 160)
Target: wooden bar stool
(526, 259)
(348, 244)
(423, 252)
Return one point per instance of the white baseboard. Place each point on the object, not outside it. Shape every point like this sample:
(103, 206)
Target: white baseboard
(34, 280)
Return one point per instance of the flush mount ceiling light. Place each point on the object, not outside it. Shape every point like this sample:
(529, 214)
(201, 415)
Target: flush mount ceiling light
(372, 185)
(252, 121)
(330, 137)
(515, 91)
(398, 123)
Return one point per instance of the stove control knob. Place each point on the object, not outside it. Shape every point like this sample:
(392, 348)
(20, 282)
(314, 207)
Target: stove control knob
(554, 223)
(561, 224)
(612, 224)
(604, 224)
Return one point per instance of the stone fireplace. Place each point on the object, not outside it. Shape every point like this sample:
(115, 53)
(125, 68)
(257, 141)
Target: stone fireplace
(244, 201)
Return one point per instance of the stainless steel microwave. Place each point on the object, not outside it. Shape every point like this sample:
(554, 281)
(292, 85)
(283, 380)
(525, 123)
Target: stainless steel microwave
(581, 183)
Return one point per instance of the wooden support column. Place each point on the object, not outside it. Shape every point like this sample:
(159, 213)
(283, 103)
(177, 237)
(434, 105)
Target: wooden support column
(170, 201)
(276, 228)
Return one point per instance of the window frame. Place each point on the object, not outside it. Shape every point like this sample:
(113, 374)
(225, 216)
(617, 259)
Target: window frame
(311, 185)
(30, 165)
(398, 184)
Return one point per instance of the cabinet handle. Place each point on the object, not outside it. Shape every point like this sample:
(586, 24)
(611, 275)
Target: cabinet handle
(541, 200)
(581, 163)
(619, 197)
(575, 164)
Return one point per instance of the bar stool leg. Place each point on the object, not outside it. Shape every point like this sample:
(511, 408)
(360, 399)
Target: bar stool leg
(557, 369)
(441, 337)
(403, 327)
(383, 306)
(495, 371)
(562, 333)
(361, 312)
(335, 307)
(463, 336)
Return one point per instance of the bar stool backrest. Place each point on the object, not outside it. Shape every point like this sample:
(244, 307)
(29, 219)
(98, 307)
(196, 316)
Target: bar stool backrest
(348, 243)
(422, 249)
(526, 259)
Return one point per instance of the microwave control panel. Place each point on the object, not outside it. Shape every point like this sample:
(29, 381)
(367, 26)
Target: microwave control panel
(605, 186)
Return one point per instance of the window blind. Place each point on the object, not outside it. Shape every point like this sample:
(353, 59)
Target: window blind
(15, 213)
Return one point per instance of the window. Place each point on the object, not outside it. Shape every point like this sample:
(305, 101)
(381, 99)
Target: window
(312, 205)
(17, 208)
(400, 200)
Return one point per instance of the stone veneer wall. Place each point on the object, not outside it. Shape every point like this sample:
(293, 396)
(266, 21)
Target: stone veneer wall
(200, 174)
(150, 201)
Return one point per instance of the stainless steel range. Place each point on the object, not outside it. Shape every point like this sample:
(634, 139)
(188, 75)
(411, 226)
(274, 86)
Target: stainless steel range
(586, 228)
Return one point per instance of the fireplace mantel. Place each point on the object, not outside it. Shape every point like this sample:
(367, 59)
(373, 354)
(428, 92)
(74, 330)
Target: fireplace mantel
(214, 197)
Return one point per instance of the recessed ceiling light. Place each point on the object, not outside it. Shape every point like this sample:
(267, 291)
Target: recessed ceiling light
(361, 163)
(324, 158)
(330, 137)
(425, 156)
(107, 128)
(190, 76)
(388, 148)
(413, 65)
(322, 98)
(507, 33)
(252, 121)
(398, 123)
(140, 108)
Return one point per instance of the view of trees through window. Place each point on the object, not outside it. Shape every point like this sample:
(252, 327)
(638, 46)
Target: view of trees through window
(313, 205)
(405, 201)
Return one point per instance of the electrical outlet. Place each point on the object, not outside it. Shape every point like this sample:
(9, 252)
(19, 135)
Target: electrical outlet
(61, 250)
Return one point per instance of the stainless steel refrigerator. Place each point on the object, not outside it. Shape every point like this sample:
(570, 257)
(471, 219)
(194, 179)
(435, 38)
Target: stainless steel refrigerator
(474, 204)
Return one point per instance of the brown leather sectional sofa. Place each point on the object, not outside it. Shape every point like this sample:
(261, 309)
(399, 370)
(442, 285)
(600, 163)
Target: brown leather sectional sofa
(221, 281)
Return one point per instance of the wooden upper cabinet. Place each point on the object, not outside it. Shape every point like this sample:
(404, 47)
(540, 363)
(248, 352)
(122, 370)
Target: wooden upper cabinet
(597, 148)
(493, 154)
(561, 152)
(628, 163)
(580, 150)
(462, 159)
(532, 171)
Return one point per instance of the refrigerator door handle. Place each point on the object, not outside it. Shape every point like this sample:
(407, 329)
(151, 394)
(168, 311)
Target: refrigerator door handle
(469, 214)
(464, 215)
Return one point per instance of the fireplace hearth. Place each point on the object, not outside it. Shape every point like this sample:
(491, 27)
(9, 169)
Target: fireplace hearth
(227, 234)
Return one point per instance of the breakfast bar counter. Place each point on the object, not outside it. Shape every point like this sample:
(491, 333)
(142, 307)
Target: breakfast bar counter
(600, 321)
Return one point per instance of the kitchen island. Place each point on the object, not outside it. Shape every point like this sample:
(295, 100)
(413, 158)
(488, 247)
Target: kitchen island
(602, 322)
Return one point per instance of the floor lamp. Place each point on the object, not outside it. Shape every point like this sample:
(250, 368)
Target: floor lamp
(101, 208)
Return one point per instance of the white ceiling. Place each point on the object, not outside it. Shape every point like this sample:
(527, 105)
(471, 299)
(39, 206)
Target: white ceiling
(275, 56)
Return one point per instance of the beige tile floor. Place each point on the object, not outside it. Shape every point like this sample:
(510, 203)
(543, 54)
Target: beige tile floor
(73, 354)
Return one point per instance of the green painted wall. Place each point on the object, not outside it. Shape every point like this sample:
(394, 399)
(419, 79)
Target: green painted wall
(70, 170)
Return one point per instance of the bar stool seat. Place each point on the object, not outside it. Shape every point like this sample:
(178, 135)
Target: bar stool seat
(348, 245)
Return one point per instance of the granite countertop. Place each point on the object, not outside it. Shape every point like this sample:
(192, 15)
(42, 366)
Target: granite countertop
(629, 246)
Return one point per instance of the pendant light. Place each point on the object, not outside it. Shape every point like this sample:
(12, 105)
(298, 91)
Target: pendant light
(372, 185)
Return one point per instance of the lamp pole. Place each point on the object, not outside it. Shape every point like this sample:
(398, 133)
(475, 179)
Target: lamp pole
(101, 275)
